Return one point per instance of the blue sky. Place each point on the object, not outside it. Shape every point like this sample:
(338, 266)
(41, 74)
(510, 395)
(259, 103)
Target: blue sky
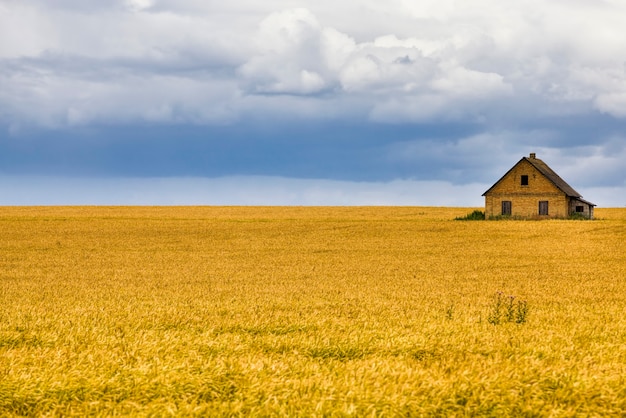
(307, 102)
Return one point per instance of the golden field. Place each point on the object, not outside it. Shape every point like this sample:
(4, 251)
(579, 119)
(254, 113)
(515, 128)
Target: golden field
(287, 311)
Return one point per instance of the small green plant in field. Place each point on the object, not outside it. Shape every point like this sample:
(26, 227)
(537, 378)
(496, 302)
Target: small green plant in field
(510, 309)
(521, 311)
(495, 309)
(507, 309)
(577, 216)
(450, 311)
(477, 215)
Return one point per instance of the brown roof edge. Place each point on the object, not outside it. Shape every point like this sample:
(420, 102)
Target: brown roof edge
(586, 201)
(553, 177)
(544, 169)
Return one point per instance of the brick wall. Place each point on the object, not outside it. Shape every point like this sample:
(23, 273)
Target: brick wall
(525, 198)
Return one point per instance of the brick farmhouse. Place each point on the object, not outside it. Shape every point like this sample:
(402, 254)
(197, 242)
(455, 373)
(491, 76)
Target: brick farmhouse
(531, 189)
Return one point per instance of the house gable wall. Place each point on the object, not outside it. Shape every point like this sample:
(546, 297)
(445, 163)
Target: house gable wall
(525, 198)
(587, 208)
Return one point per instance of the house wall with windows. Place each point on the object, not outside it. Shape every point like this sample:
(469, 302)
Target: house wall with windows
(524, 187)
(581, 207)
(527, 206)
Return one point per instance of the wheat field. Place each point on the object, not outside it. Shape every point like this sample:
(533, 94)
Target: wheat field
(309, 311)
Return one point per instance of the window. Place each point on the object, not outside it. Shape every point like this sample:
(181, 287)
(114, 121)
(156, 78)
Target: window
(506, 207)
(543, 207)
(524, 180)
(580, 209)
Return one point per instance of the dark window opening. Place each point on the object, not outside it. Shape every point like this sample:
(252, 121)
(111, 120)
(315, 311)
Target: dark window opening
(580, 209)
(543, 207)
(524, 180)
(506, 207)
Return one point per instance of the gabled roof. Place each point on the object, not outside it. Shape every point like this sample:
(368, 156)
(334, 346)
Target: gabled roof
(548, 173)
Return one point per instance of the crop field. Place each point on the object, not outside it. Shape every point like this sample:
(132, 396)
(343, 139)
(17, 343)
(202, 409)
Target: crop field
(314, 311)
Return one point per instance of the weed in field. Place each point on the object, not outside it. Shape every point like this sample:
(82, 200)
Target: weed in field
(450, 311)
(507, 309)
(521, 311)
(424, 355)
(495, 309)
(510, 309)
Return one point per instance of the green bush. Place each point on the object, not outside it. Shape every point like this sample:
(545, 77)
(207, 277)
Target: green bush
(578, 216)
(477, 215)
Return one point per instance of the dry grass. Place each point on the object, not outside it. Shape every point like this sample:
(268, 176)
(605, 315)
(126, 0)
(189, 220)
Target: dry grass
(309, 312)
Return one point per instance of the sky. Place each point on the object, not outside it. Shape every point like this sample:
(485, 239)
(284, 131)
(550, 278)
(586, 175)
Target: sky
(310, 102)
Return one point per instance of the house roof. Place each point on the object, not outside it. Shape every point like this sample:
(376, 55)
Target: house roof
(585, 201)
(548, 173)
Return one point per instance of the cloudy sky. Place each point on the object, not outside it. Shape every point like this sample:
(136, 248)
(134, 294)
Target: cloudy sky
(342, 102)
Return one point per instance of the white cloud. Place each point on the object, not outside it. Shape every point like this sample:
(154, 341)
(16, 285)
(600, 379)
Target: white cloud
(336, 48)
(459, 81)
(138, 5)
(612, 103)
(297, 55)
(402, 60)
(130, 99)
(288, 55)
